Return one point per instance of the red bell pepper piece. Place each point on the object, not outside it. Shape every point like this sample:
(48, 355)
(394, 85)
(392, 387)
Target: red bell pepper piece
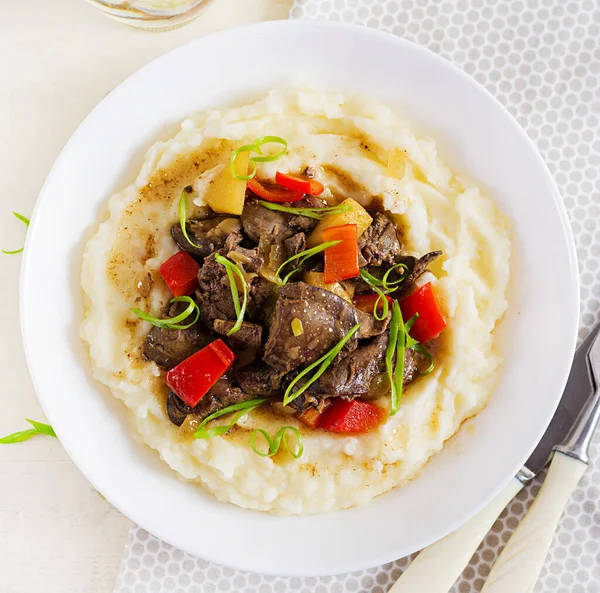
(341, 260)
(430, 321)
(312, 417)
(180, 272)
(354, 416)
(366, 302)
(192, 379)
(273, 193)
(311, 187)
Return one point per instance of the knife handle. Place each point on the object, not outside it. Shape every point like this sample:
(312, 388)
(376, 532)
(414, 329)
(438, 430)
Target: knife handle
(437, 567)
(519, 566)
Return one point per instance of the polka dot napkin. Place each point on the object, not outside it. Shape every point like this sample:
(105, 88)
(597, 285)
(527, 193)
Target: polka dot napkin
(541, 59)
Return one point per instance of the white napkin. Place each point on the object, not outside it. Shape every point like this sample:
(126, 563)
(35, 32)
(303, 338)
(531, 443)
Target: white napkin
(541, 59)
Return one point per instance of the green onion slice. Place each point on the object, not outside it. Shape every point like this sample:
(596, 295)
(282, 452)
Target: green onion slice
(240, 410)
(375, 283)
(316, 213)
(388, 284)
(389, 357)
(251, 162)
(322, 363)
(262, 158)
(233, 270)
(400, 351)
(410, 341)
(24, 220)
(268, 140)
(183, 218)
(274, 443)
(25, 435)
(301, 257)
(173, 322)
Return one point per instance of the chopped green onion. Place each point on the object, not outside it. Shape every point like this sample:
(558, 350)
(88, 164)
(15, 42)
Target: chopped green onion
(173, 322)
(25, 435)
(410, 341)
(424, 352)
(241, 409)
(301, 257)
(240, 311)
(235, 154)
(183, 218)
(369, 279)
(274, 443)
(388, 284)
(389, 356)
(255, 147)
(322, 363)
(268, 140)
(317, 213)
(400, 351)
(24, 220)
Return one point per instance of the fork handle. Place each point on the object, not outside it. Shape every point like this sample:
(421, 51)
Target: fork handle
(437, 567)
(519, 566)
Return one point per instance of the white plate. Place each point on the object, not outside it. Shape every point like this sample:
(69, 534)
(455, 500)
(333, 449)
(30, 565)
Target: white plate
(475, 134)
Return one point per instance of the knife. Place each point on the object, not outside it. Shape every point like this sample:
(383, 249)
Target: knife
(520, 563)
(437, 567)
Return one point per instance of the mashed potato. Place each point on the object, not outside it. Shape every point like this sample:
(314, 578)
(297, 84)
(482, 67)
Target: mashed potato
(368, 152)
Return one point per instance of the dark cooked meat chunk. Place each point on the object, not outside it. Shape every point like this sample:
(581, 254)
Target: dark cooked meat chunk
(351, 377)
(248, 336)
(168, 347)
(214, 293)
(177, 409)
(220, 395)
(326, 319)
(260, 380)
(258, 220)
(305, 223)
(207, 235)
(369, 326)
(379, 244)
(305, 401)
(294, 245)
(416, 267)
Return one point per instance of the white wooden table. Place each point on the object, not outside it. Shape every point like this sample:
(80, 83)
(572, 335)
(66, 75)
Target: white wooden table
(57, 60)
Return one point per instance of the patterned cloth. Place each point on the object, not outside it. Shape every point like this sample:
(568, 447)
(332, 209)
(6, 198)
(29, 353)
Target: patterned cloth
(541, 59)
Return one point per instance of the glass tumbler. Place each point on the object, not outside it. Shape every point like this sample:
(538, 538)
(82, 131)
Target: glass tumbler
(154, 15)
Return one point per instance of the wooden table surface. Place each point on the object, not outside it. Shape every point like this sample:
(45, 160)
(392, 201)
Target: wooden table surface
(57, 60)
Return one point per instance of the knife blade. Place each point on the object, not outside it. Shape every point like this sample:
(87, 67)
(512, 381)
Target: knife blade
(577, 391)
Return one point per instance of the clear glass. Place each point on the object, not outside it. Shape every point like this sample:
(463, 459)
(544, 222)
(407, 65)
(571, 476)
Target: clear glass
(156, 15)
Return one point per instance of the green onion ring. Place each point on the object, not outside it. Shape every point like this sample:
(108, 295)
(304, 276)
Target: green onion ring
(322, 363)
(301, 257)
(173, 322)
(24, 220)
(241, 409)
(388, 284)
(268, 140)
(274, 443)
(255, 147)
(316, 213)
(410, 341)
(235, 154)
(231, 269)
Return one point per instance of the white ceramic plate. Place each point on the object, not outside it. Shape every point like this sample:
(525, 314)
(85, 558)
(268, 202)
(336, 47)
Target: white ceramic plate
(475, 134)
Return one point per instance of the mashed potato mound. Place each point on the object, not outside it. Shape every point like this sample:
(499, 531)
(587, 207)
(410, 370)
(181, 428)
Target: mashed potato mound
(369, 153)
